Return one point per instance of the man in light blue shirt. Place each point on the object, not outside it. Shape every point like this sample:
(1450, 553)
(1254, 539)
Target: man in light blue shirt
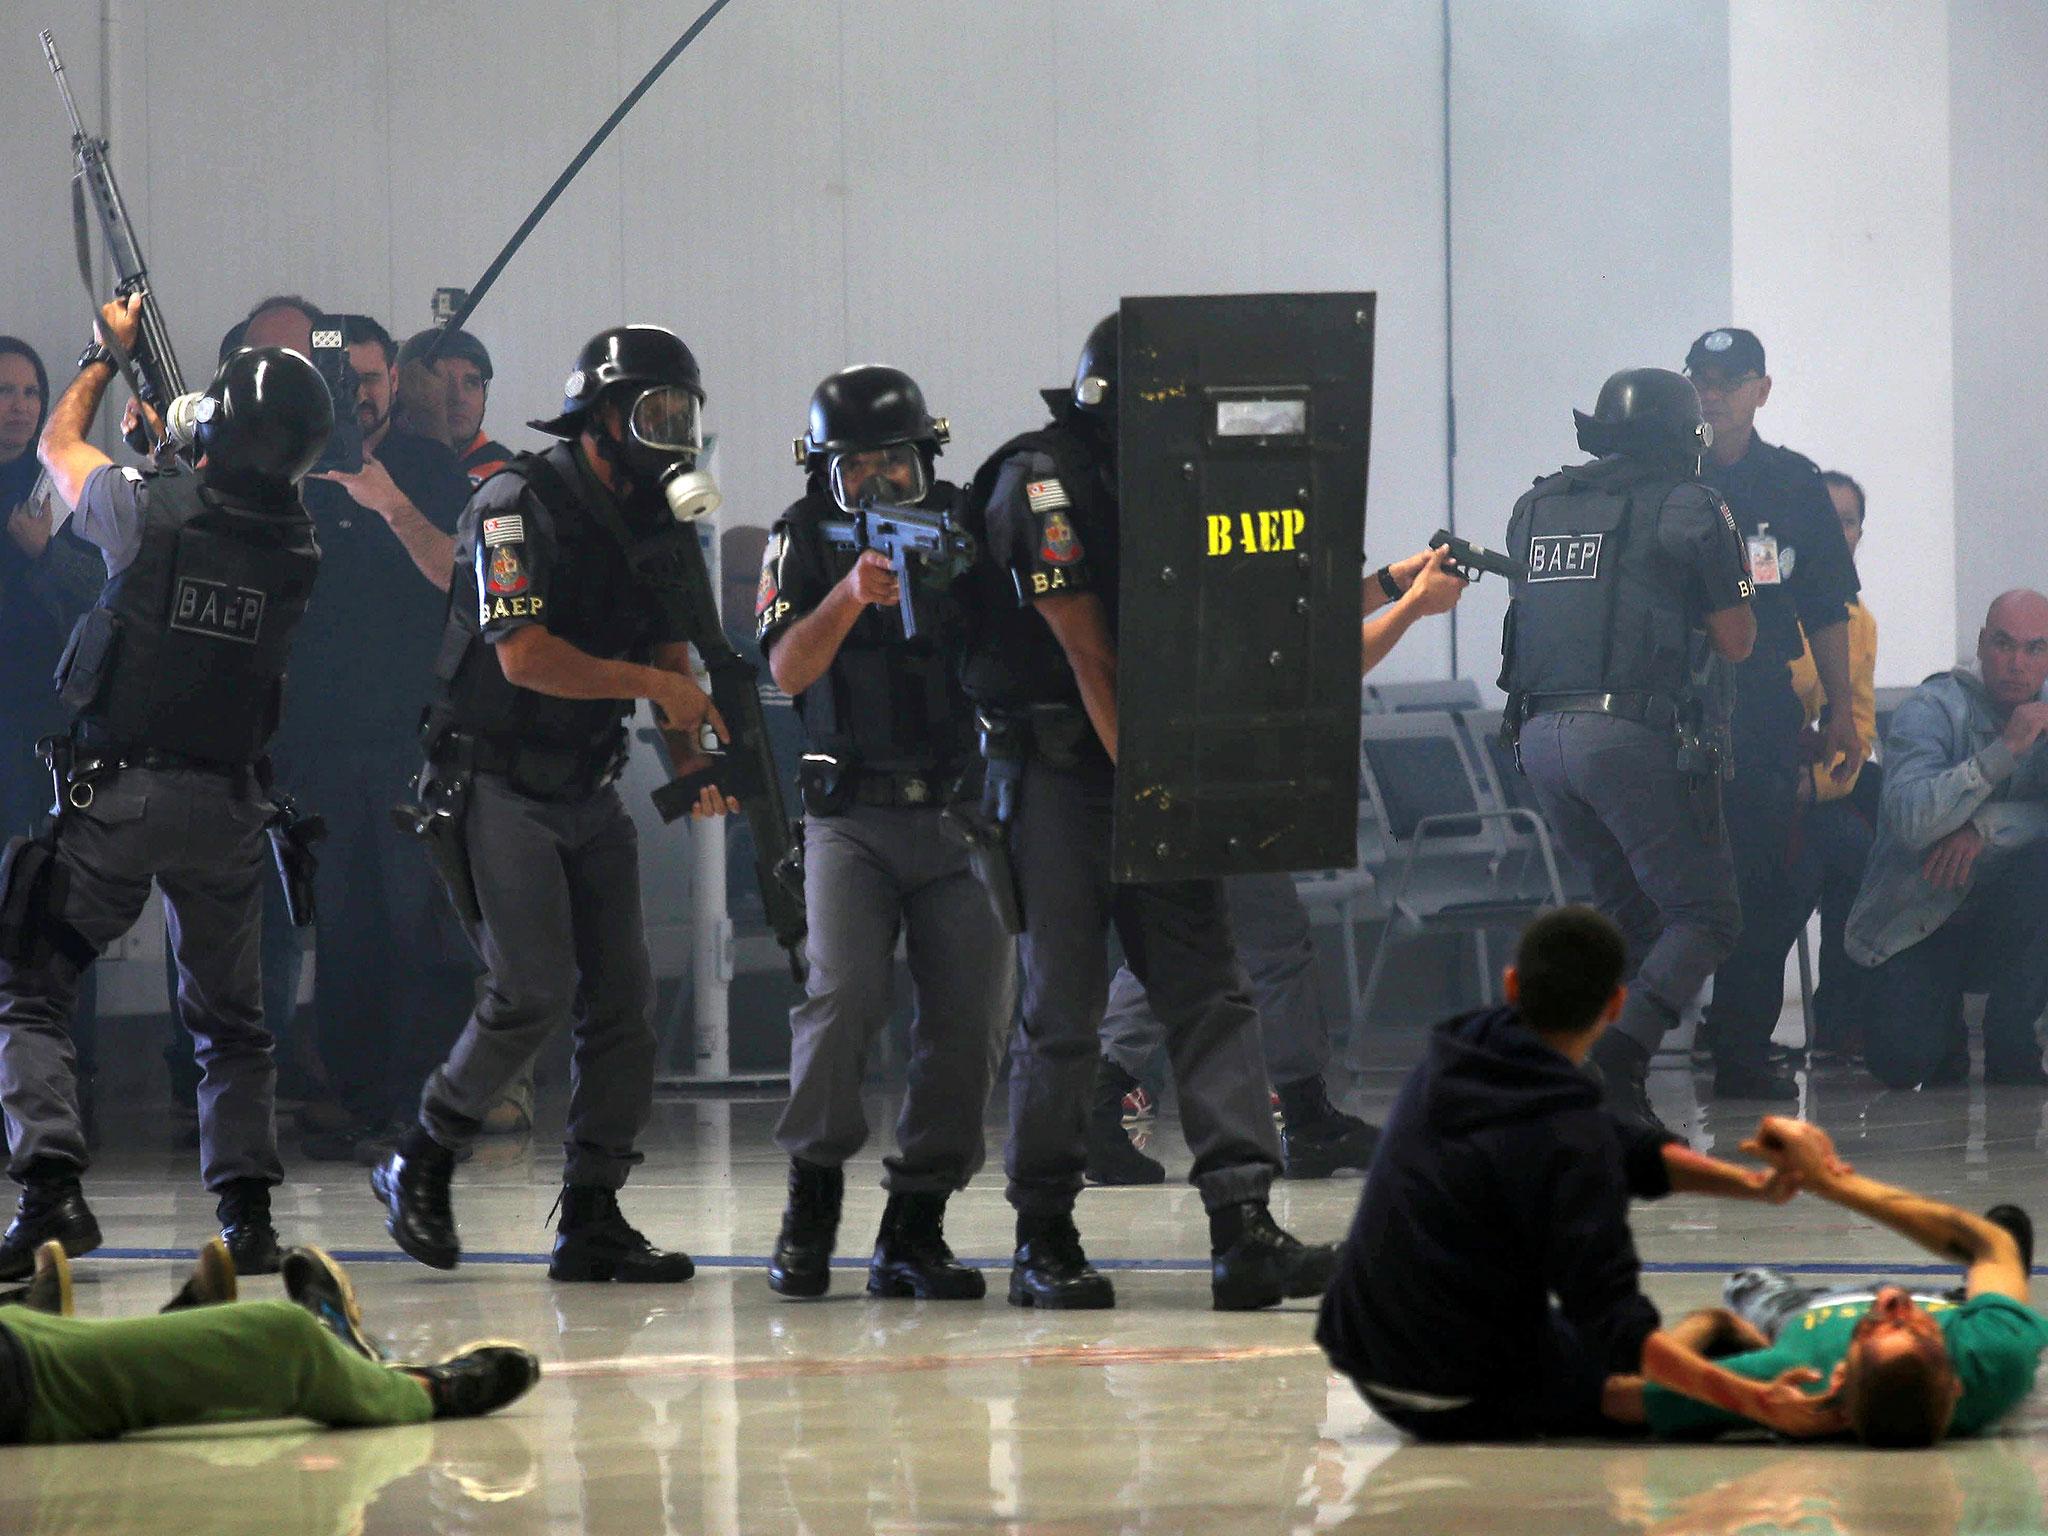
(1956, 894)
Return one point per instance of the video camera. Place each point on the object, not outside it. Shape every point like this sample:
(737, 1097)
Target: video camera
(344, 450)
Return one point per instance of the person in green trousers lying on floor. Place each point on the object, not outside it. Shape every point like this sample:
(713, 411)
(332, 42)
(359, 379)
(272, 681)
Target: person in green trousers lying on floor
(209, 1358)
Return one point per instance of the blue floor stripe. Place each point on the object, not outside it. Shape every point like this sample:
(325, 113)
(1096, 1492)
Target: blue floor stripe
(1875, 1269)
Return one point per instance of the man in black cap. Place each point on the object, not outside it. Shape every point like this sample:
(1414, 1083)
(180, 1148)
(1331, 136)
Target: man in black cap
(463, 365)
(1805, 579)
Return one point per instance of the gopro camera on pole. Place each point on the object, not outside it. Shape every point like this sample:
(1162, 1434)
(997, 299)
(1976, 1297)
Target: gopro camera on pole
(1243, 426)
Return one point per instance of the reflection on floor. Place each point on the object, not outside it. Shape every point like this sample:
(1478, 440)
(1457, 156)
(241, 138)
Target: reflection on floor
(716, 1407)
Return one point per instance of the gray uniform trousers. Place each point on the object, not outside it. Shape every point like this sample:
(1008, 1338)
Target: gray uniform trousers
(1270, 928)
(200, 836)
(1178, 943)
(1612, 793)
(870, 873)
(558, 883)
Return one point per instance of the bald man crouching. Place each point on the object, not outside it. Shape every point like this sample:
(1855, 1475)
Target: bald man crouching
(1955, 898)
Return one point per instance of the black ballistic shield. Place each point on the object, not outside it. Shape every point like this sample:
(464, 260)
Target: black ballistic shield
(1243, 427)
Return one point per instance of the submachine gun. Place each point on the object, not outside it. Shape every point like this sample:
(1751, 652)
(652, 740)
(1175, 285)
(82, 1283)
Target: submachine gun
(150, 366)
(745, 770)
(931, 537)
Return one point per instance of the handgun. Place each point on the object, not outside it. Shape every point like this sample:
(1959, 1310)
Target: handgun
(1470, 560)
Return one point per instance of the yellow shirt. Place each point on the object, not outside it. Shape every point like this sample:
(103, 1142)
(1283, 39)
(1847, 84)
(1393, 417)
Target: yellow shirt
(1862, 687)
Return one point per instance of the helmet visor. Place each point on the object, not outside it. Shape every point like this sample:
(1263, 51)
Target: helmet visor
(894, 476)
(667, 419)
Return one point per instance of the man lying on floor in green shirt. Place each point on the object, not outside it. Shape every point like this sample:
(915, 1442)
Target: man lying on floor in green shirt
(209, 1358)
(1897, 1370)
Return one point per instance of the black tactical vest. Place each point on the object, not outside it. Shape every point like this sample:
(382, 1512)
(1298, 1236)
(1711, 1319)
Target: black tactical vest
(1013, 656)
(185, 651)
(887, 703)
(1604, 608)
(592, 603)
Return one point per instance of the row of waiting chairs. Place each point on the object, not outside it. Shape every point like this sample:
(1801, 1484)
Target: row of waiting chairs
(1450, 841)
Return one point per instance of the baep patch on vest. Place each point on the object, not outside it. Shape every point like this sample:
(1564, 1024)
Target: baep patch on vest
(187, 647)
(471, 690)
(1603, 609)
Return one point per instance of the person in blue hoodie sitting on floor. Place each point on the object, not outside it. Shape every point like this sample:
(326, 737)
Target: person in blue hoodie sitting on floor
(1489, 1288)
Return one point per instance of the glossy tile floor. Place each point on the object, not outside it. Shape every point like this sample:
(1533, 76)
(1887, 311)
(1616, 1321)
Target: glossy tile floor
(716, 1407)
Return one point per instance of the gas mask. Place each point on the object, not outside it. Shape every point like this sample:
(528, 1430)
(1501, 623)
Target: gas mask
(660, 448)
(894, 476)
(184, 418)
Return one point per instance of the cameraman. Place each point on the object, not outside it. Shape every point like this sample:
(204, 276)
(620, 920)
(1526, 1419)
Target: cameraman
(393, 966)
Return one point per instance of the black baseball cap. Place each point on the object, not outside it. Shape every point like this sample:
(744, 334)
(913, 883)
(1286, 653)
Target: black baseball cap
(460, 344)
(1728, 351)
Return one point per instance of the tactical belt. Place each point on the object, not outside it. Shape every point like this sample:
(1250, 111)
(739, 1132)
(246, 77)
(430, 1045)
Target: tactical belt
(544, 773)
(872, 787)
(1651, 709)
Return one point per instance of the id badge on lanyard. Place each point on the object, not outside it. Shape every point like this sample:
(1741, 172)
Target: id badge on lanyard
(1763, 557)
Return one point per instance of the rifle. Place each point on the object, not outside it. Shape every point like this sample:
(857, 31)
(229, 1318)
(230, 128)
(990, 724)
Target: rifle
(151, 367)
(903, 534)
(745, 770)
(1469, 560)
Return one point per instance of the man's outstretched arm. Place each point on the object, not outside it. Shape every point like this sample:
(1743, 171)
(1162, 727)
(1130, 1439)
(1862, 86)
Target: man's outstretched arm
(1989, 1254)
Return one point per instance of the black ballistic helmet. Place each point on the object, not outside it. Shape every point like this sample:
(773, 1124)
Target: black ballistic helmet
(1093, 396)
(1646, 411)
(868, 406)
(645, 356)
(263, 420)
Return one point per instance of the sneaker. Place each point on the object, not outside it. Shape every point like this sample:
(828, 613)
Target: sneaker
(212, 1281)
(477, 1379)
(50, 1288)
(1138, 1106)
(314, 1281)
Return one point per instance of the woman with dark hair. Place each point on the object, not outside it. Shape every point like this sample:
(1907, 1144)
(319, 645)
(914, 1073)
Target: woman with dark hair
(48, 577)
(30, 637)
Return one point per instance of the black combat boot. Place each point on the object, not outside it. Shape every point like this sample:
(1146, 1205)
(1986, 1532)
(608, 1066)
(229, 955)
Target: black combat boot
(244, 1213)
(594, 1241)
(1622, 1067)
(413, 1184)
(802, 1263)
(1253, 1263)
(911, 1256)
(212, 1281)
(1050, 1270)
(1111, 1157)
(52, 1209)
(1316, 1137)
(478, 1379)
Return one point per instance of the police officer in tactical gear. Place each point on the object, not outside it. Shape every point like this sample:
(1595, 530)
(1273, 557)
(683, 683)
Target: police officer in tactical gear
(1043, 674)
(890, 745)
(175, 681)
(1805, 580)
(559, 620)
(1638, 591)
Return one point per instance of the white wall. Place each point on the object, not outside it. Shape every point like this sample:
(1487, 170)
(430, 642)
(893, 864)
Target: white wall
(961, 190)
(1998, 151)
(1589, 232)
(1842, 267)
(964, 189)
